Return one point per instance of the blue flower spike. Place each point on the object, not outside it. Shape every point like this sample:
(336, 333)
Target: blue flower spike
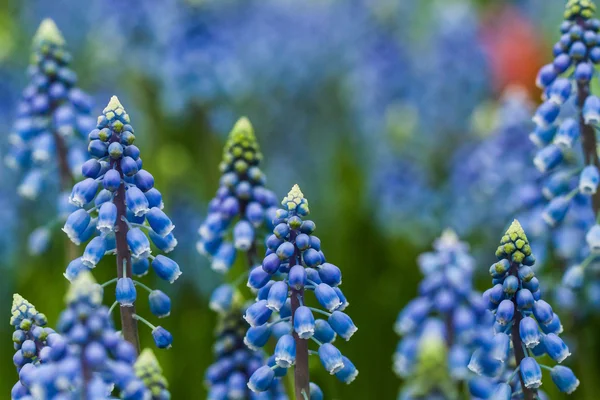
(148, 370)
(294, 266)
(47, 143)
(530, 324)
(116, 208)
(445, 294)
(239, 221)
(31, 340)
(243, 208)
(568, 155)
(88, 354)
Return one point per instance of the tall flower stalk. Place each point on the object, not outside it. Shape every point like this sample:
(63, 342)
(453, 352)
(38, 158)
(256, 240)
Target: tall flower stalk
(126, 213)
(525, 326)
(440, 327)
(294, 266)
(239, 219)
(53, 119)
(573, 174)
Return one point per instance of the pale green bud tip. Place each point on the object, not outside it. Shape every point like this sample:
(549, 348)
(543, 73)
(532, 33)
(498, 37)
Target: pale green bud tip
(579, 8)
(21, 304)
(113, 105)
(294, 199)
(515, 231)
(85, 286)
(21, 308)
(48, 32)
(146, 358)
(243, 127)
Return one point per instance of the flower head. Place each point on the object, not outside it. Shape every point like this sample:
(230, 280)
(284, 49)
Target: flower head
(295, 263)
(53, 117)
(88, 342)
(117, 202)
(31, 341)
(445, 294)
(243, 207)
(521, 316)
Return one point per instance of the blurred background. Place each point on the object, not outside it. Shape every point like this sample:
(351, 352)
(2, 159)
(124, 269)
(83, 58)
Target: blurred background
(397, 119)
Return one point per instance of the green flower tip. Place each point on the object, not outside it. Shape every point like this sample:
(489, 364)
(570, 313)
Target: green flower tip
(21, 308)
(243, 130)
(514, 245)
(145, 359)
(115, 114)
(241, 150)
(85, 286)
(579, 9)
(113, 105)
(295, 201)
(149, 371)
(48, 32)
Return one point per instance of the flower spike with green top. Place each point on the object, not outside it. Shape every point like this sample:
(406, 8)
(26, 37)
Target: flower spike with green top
(119, 208)
(293, 266)
(526, 327)
(31, 341)
(238, 222)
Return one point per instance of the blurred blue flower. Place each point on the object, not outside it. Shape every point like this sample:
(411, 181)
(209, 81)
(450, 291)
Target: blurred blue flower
(447, 315)
(90, 356)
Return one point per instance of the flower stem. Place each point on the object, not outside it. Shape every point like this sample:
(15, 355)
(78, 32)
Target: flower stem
(301, 372)
(528, 394)
(129, 325)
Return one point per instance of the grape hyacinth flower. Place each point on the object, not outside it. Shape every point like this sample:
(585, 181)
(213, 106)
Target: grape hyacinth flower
(31, 341)
(243, 208)
(53, 117)
(524, 319)
(148, 370)
(235, 363)
(446, 317)
(116, 203)
(567, 81)
(295, 264)
(90, 357)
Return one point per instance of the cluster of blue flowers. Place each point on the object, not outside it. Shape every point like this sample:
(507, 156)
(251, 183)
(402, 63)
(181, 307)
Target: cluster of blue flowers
(116, 203)
(243, 208)
(53, 117)
(440, 327)
(235, 363)
(47, 143)
(31, 340)
(148, 370)
(89, 357)
(238, 220)
(570, 114)
(294, 264)
(525, 327)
